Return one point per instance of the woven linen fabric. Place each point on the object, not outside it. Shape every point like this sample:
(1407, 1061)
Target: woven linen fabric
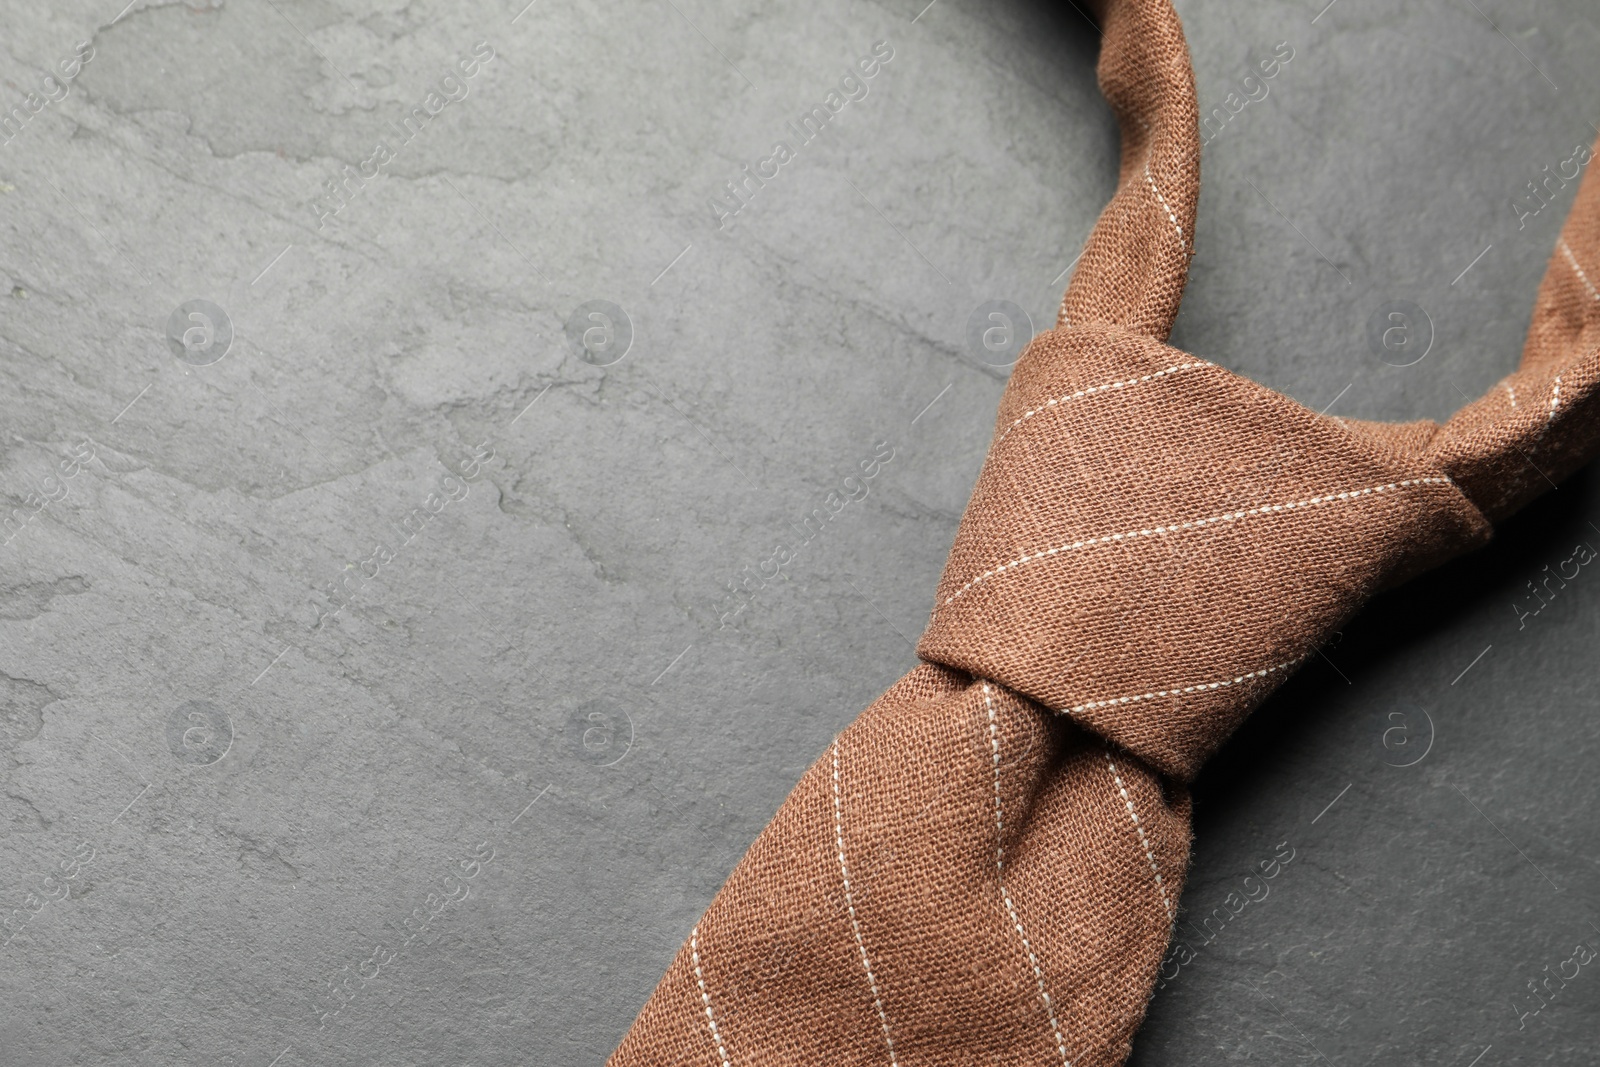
(985, 866)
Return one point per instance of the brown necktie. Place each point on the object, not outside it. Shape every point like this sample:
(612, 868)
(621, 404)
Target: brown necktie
(985, 866)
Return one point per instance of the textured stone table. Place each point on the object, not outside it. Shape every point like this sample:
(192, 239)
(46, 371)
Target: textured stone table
(398, 648)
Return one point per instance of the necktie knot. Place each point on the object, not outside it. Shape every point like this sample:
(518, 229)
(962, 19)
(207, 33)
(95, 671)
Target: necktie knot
(1155, 543)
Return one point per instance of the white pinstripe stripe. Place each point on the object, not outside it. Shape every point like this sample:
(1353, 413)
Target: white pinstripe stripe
(1144, 841)
(711, 1021)
(1200, 687)
(849, 901)
(1173, 218)
(1566, 250)
(1000, 868)
(1194, 524)
(1107, 387)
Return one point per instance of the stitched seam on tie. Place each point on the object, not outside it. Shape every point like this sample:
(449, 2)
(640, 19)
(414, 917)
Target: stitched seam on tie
(1202, 687)
(1134, 815)
(1000, 867)
(1093, 389)
(1173, 218)
(1566, 250)
(1549, 417)
(1193, 524)
(694, 952)
(849, 901)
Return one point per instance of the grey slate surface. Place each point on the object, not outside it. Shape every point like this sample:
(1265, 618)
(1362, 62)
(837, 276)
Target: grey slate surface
(243, 795)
